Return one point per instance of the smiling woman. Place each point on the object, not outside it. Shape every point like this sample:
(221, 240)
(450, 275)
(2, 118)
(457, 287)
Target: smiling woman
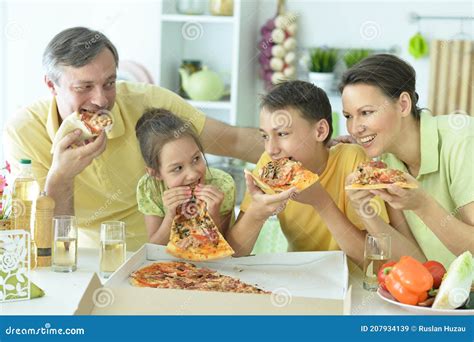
(380, 105)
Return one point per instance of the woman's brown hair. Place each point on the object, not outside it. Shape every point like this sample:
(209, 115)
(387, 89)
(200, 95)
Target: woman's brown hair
(389, 73)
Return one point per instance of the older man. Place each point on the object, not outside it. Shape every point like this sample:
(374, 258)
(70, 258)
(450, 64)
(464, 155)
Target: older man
(97, 181)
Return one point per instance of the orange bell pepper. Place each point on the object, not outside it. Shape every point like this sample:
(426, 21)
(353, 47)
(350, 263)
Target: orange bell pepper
(409, 281)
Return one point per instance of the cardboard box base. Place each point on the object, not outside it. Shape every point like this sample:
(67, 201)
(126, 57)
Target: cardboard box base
(99, 300)
(316, 291)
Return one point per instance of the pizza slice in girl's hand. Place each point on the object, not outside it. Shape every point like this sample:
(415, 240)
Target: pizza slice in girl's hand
(90, 124)
(283, 174)
(376, 175)
(194, 235)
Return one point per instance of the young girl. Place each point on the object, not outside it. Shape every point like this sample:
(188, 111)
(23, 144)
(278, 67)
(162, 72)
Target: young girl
(176, 171)
(380, 104)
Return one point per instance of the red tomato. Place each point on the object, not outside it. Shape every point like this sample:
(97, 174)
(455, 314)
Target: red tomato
(383, 271)
(437, 270)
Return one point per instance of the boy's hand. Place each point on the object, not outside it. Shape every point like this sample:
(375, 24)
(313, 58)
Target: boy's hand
(314, 195)
(213, 198)
(263, 206)
(174, 197)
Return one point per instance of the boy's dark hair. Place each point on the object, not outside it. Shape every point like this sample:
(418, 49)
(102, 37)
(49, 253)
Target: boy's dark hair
(389, 73)
(155, 128)
(311, 101)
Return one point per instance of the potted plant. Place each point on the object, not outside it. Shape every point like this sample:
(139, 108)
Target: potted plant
(354, 56)
(5, 201)
(321, 67)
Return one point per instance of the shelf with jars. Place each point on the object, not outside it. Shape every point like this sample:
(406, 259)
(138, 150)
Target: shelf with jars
(213, 43)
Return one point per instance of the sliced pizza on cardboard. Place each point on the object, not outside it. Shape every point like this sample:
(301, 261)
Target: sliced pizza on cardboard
(375, 175)
(283, 174)
(194, 235)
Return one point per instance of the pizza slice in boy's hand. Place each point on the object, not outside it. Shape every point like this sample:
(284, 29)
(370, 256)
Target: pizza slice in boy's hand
(376, 175)
(283, 174)
(194, 236)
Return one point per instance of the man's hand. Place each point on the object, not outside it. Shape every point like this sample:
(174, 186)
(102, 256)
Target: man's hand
(68, 162)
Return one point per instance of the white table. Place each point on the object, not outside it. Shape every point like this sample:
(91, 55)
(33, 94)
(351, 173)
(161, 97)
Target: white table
(64, 291)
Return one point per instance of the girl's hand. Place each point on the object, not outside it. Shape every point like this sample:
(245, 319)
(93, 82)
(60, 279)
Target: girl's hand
(360, 200)
(213, 198)
(263, 206)
(174, 197)
(401, 198)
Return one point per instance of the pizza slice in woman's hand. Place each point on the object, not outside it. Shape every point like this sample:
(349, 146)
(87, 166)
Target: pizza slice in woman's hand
(283, 174)
(195, 236)
(376, 175)
(90, 124)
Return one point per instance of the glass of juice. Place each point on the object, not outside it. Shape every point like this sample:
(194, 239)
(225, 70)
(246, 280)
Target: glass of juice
(377, 252)
(64, 253)
(112, 247)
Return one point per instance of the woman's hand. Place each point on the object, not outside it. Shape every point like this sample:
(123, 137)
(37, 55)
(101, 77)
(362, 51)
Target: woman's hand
(263, 206)
(360, 200)
(174, 197)
(401, 198)
(213, 198)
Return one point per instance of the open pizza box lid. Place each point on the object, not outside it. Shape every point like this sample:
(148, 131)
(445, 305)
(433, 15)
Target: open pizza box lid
(302, 283)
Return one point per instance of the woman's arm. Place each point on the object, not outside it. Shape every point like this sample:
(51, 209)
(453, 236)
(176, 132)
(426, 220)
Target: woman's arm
(403, 241)
(456, 234)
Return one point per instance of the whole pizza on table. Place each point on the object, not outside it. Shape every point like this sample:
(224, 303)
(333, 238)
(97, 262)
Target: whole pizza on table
(282, 174)
(376, 175)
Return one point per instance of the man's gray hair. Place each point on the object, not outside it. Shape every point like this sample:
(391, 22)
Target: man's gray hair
(75, 47)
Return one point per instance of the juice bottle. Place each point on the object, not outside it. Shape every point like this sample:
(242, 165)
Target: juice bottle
(24, 195)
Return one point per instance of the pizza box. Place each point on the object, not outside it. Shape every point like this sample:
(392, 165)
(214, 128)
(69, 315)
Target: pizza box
(301, 283)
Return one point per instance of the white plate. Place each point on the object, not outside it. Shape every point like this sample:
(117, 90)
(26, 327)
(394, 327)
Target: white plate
(424, 310)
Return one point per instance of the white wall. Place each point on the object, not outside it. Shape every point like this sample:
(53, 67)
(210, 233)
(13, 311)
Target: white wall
(132, 26)
(376, 25)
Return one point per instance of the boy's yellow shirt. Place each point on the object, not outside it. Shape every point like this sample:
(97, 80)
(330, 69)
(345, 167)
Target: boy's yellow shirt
(302, 225)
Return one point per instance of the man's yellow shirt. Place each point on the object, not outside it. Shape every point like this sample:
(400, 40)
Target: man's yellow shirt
(106, 189)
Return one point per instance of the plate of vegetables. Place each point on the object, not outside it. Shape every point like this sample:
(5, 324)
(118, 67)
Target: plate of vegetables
(427, 288)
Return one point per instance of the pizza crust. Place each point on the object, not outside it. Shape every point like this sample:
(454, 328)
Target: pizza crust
(302, 180)
(222, 250)
(380, 186)
(71, 123)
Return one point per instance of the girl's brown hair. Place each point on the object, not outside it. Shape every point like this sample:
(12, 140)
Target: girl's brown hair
(155, 128)
(389, 73)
